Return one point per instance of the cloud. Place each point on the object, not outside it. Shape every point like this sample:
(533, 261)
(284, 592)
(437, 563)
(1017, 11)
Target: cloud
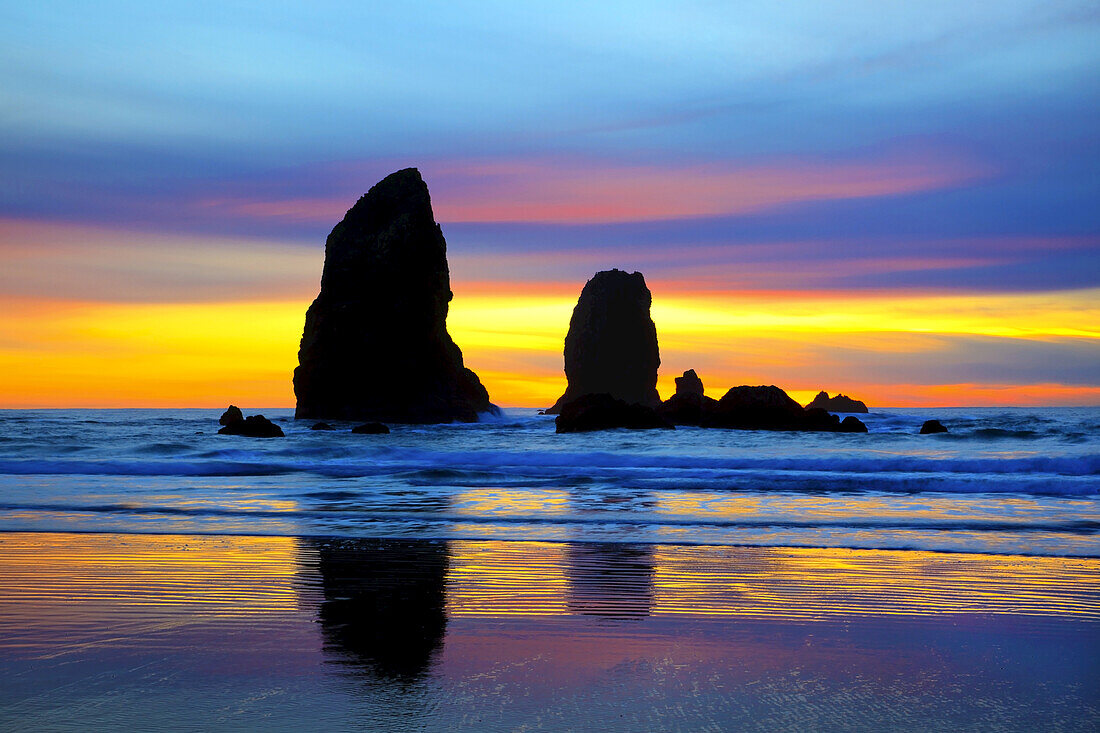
(83, 263)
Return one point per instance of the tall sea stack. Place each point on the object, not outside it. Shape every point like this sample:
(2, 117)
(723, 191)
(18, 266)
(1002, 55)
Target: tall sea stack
(611, 347)
(375, 345)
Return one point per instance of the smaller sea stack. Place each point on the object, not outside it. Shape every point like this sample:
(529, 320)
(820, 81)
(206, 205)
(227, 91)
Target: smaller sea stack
(611, 346)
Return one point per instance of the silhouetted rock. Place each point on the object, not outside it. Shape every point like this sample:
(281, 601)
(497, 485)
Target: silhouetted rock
(768, 408)
(689, 406)
(758, 398)
(689, 384)
(852, 424)
(932, 426)
(375, 344)
(604, 412)
(253, 426)
(840, 403)
(231, 415)
(321, 426)
(611, 347)
(370, 428)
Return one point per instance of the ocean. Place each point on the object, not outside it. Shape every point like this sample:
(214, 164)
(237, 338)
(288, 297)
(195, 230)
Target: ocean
(1011, 481)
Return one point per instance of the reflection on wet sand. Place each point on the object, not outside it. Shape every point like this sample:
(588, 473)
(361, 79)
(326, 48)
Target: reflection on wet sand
(122, 631)
(610, 581)
(543, 578)
(383, 605)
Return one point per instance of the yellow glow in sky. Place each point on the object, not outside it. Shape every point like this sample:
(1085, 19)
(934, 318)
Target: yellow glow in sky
(57, 353)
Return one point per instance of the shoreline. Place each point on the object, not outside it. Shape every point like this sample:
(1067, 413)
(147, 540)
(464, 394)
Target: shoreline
(547, 541)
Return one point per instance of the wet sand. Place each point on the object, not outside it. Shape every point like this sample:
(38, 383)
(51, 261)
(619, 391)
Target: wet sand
(192, 632)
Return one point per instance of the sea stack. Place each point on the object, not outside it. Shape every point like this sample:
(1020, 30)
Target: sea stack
(611, 346)
(375, 345)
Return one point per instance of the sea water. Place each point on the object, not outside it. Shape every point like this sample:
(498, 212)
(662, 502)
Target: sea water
(1020, 481)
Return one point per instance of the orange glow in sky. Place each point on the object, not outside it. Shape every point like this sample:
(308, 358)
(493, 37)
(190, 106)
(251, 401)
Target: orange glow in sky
(79, 353)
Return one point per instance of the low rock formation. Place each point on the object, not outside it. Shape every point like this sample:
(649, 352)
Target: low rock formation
(370, 428)
(603, 412)
(932, 426)
(840, 403)
(611, 346)
(689, 406)
(852, 424)
(750, 408)
(253, 426)
(764, 408)
(321, 426)
(231, 415)
(375, 344)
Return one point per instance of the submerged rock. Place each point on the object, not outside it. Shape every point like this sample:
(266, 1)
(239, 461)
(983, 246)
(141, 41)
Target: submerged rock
(852, 424)
(932, 426)
(231, 415)
(611, 346)
(840, 403)
(321, 426)
(370, 428)
(375, 344)
(604, 412)
(253, 426)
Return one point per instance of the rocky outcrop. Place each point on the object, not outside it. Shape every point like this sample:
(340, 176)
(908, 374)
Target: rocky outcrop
(231, 415)
(611, 346)
(689, 406)
(762, 408)
(689, 385)
(375, 344)
(321, 426)
(840, 403)
(852, 424)
(748, 408)
(370, 428)
(603, 412)
(932, 426)
(253, 426)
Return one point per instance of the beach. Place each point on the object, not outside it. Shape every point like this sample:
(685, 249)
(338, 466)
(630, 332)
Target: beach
(187, 632)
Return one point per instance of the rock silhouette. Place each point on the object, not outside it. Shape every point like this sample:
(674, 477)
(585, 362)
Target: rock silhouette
(840, 403)
(321, 426)
(370, 428)
(603, 412)
(852, 424)
(231, 415)
(749, 408)
(689, 406)
(375, 344)
(611, 346)
(689, 384)
(932, 426)
(253, 426)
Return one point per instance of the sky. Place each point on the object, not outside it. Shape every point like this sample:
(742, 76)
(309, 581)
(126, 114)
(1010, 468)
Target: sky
(900, 201)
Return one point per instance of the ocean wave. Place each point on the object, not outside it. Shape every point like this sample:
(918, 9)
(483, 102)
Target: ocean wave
(1071, 476)
(445, 464)
(356, 515)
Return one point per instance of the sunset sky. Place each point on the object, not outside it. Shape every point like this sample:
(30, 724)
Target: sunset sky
(900, 201)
